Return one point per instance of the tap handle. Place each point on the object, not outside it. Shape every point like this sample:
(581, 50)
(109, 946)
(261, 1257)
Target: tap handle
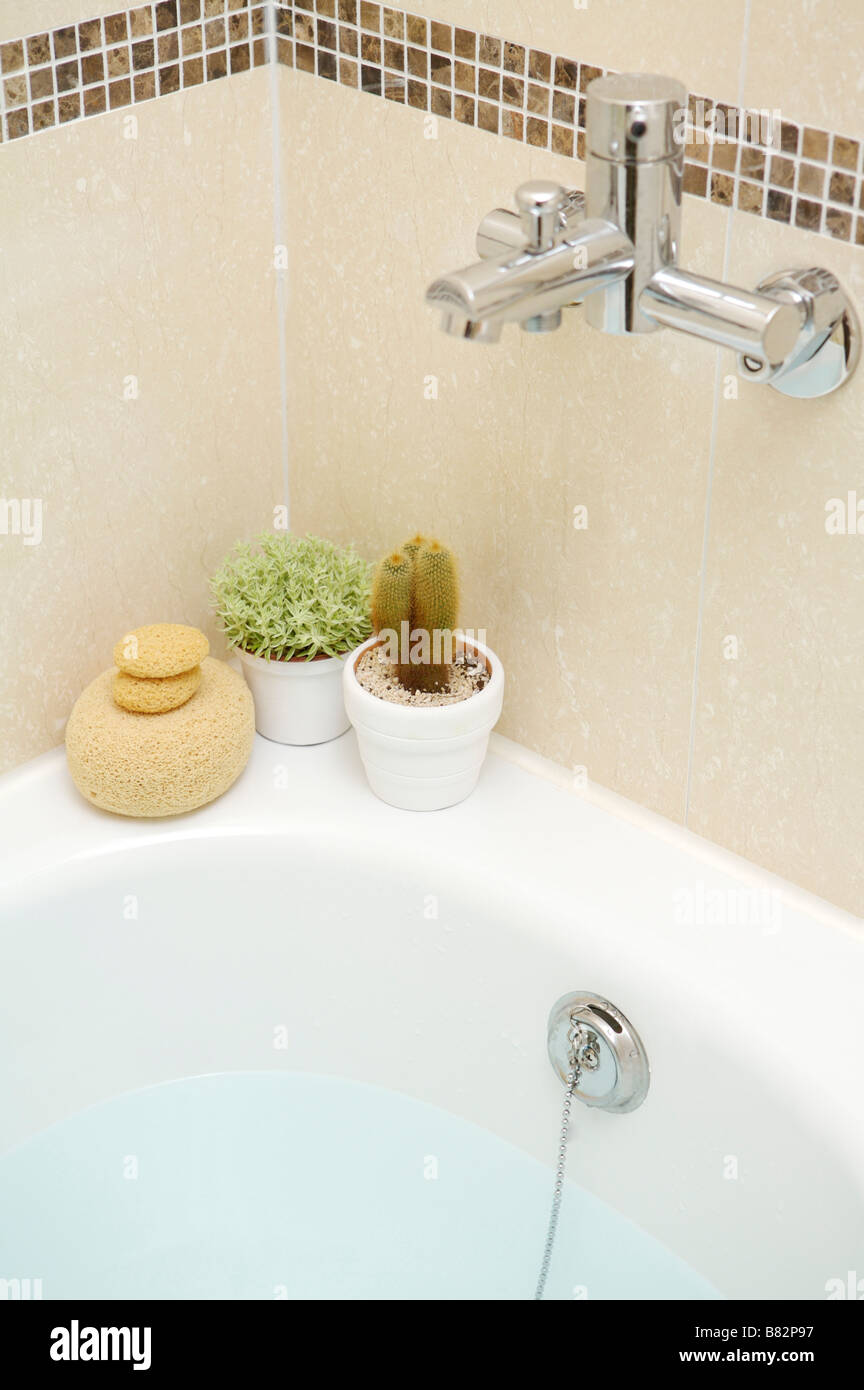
(541, 207)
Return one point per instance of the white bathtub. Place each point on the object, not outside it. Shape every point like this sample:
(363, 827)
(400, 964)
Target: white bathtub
(300, 926)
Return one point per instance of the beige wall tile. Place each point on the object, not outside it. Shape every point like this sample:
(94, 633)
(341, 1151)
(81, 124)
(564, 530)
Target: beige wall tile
(148, 258)
(807, 60)
(780, 736)
(632, 37)
(596, 627)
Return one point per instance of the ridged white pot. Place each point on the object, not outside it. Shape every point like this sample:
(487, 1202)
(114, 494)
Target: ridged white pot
(296, 701)
(428, 757)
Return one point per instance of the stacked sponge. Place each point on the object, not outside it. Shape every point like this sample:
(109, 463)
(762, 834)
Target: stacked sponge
(170, 731)
(159, 667)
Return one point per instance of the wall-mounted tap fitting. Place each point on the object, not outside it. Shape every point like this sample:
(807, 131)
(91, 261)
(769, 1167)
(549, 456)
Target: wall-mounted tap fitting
(617, 248)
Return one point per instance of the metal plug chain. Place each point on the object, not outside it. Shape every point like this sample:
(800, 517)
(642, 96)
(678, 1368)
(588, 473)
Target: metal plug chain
(583, 1050)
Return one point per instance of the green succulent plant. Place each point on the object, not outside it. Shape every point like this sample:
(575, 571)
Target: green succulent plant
(282, 597)
(418, 585)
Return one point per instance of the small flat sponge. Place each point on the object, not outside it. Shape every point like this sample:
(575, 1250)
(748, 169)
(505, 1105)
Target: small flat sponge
(138, 766)
(155, 694)
(161, 649)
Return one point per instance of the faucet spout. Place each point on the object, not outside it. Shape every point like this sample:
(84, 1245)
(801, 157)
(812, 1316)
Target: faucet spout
(531, 287)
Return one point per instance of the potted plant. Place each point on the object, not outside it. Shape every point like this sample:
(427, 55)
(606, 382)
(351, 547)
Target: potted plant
(422, 696)
(293, 607)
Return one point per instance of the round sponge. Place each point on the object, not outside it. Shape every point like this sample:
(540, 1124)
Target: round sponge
(161, 649)
(155, 694)
(139, 766)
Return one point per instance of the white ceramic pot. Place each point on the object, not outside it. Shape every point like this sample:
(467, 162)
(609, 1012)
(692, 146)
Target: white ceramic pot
(423, 758)
(296, 701)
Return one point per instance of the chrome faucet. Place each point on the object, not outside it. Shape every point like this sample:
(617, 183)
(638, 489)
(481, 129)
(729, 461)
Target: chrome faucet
(617, 247)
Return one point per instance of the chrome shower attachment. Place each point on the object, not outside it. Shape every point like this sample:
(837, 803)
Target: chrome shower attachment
(599, 1056)
(618, 250)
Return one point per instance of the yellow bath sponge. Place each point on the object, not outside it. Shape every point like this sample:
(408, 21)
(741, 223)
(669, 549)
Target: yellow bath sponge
(160, 649)
(160, 767)
(155, 694)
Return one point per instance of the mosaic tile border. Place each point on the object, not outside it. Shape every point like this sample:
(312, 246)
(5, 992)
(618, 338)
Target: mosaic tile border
(774, 168)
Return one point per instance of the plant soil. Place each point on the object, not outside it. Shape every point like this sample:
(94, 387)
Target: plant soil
(378, 675)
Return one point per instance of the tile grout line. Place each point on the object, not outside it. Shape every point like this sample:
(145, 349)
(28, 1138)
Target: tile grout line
(278, 240)
(712, 455)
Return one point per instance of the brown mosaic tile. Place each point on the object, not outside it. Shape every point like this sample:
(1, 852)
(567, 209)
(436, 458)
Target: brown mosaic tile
(165, 13)
(416, 30)
(814, 144)
(89, 35)
(752, 162)
(69, 107)
(168, 48)
(441, 102)
(327, 7)
(116, 29)
(144, 86)
(140, 22)
(788, 137)
(120, 94)
(811, 180)
(370, 48)
(304, 57)
(566, 73)
(838, 224)
(512, 125)
(65, 42)
(285, 24)
(328, 66)
(722, 189)
(695, 179)
(417, 62)
(781, 172)
(778, 206)
(349, 72)
(41, 84)
(537, 132)
(859, 231)
(808, 215)
(43, 115)
(143, 55)
(304, 29)
(17, 124)
(370, 17)
(260, 56)
(513, 57)
(15, 91)
(217, 65)
(580, 145)
(725, 157)
(489, 50)
(39, 49)
(844, 152)
(441, 37)
(587, 75)
(697, 153)
(564, 107)
(487, 117)
(537, 100)
(393, 23)
(349, 42)
(326, 33)
(540, 65)
(258, 24)
(418, 95)
(238, 27)
(117, 61)
(463, 109)
(750, 196)
(68, 77)
(512, 90)
(841, 188)
(214, 33)
(92, 69)
(440, 69)
(489, 84)
(465, 44)
(562, 140)
(240, 57)
(394, 56)
(284, 53)
(215, 7)
(95, 101)
(464, 77)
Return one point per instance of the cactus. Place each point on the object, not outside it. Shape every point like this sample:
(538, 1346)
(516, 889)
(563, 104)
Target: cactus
(418, 585)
